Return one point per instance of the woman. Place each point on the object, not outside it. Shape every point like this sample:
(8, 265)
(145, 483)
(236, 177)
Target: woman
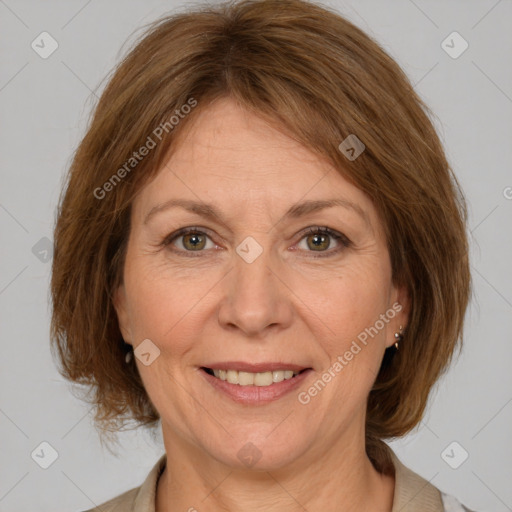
(262, 245)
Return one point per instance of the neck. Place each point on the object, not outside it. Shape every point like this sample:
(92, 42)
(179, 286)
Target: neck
(340, 475)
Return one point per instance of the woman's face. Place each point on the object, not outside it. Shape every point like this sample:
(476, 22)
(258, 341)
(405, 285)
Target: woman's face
(256, 283)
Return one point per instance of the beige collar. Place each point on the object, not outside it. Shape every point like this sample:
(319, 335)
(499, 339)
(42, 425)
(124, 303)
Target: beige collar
(412, 492)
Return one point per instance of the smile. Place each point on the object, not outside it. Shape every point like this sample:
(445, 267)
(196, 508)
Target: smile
(253, 379)
(254, 388)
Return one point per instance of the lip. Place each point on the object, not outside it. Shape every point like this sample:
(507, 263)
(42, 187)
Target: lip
(242, 366)
(256, 395)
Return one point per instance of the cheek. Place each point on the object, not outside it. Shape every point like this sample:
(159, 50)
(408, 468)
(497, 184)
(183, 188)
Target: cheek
(353, 350)
(349, 307)
(165, 304)
(353, 300)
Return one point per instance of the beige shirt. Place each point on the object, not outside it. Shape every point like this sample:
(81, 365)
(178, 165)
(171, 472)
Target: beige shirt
(412, 494)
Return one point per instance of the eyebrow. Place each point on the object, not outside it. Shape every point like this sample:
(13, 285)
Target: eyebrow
(295, 211)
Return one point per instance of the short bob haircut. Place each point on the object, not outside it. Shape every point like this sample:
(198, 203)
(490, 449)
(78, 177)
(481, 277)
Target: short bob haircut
(319, 79)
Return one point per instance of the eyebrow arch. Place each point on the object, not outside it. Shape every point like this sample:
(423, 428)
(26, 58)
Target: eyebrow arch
(295, 211)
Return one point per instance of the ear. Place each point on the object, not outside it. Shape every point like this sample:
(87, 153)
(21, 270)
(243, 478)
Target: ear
(400, 304)
(123, 319)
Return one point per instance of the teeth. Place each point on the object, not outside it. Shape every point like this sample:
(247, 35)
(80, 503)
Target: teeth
(254, 379)
(246, 379)
(232, 376)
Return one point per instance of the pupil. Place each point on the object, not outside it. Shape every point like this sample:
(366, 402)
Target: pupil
(318, 240)
(194, 241)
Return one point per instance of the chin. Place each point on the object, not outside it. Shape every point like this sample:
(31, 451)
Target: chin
(259, 452)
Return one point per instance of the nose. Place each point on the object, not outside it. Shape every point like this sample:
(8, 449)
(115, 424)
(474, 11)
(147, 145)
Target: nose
(255, 299)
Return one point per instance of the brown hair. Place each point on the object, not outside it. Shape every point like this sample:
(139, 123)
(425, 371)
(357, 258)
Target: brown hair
(320, 79)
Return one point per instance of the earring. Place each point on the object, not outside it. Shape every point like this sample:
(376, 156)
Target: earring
(398, 337)
(129, 354)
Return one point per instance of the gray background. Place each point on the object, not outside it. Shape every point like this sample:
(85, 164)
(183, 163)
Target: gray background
(45, 104)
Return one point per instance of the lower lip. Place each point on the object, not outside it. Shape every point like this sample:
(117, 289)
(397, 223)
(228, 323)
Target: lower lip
(256, 394)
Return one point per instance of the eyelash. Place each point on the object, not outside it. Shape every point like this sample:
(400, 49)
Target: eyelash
(316, 230)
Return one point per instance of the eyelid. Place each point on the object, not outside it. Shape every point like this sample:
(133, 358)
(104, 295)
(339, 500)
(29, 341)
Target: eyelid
(342, 239)
(172, 237)
(182, 232)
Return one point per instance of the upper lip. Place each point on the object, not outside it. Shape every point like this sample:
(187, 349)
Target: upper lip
(255, 367)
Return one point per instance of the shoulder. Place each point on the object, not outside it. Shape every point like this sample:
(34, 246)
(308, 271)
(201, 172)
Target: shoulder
(413, 492)
(451, 504)
(121, 503)
(138, 499)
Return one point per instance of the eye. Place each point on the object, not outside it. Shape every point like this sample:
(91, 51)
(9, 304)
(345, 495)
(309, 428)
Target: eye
(319, 239)
(189, 240)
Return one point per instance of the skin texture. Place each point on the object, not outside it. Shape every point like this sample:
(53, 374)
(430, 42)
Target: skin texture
(285, 306)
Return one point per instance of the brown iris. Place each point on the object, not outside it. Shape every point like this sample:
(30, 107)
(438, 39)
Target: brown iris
(197, 241)
(319, 241)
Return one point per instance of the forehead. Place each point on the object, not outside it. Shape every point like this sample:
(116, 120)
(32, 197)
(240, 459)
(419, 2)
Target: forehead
(234, 159)
(239, 145)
